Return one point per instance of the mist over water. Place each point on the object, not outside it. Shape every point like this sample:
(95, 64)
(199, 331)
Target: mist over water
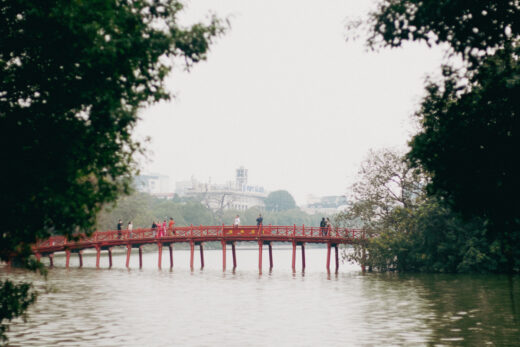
(209, 307)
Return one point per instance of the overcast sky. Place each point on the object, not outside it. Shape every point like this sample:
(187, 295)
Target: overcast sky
(284, 95)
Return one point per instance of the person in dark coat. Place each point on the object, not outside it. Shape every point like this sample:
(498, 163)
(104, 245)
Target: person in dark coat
(259, 220)
(323, 226)
(119, 228)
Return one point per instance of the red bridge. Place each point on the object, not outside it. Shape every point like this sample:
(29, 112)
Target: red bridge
(197, 235)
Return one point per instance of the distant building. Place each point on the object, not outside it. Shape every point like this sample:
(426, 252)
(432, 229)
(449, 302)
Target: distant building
(236, 195)
(154, 184)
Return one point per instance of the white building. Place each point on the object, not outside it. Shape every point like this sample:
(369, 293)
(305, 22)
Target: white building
(236, 195)
(152, 184)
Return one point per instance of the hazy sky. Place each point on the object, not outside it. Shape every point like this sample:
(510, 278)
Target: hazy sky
(284, 95)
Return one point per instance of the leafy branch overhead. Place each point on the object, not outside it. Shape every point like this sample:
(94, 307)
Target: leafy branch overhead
(74, 74)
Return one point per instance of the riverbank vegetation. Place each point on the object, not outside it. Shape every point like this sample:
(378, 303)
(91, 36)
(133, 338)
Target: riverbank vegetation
(409, 230)
(466, 215)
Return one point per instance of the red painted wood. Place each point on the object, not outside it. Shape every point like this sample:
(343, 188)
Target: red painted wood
(198, 234)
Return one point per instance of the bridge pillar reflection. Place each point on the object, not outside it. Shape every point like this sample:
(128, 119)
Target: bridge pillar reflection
(192, 250)
(128, 253)
(260, 245)
(98, 255)
(223, 255)
(140, 257)
(110, 258)
(67, 258)
(294, 256)
(201, 255)
(303, 256)
(328, 256)
(270, 256)
(170, 246)
(159, 251)
(337, 257)
(234, 255)
(80, 256)
(51, 259)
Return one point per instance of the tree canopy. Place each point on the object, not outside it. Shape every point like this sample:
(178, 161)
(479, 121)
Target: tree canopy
(279, 200)
(470, 118)
(73, 75)
(408, 230)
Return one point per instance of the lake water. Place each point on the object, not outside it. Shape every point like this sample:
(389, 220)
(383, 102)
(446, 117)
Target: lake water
(210, 307)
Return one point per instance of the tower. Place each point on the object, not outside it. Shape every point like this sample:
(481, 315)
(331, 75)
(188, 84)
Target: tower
(241, 178)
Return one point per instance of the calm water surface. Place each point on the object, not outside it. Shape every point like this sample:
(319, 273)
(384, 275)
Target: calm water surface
(151, 307)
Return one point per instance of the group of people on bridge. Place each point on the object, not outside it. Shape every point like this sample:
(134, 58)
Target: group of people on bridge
(325, 226)
(162, 229)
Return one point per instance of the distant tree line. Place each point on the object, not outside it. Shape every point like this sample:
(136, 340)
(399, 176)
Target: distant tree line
(142, 209)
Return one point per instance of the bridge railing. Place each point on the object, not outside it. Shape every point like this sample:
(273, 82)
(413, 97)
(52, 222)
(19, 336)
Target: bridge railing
(207, 231)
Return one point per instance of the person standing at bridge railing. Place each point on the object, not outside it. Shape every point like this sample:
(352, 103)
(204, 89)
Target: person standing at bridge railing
(154, 228)
(323, 226)
(130, 228)
(236, 223)
(171, 225)
(329, 227)
(259, 220)
(119, 228)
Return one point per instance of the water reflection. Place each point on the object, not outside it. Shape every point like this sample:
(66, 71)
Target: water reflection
(211, 307)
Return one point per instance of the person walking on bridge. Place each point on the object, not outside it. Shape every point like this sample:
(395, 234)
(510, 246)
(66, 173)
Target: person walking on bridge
(130, 228)
(237, 221)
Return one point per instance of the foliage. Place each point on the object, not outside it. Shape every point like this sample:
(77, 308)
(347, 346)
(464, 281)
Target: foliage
(73, 75)
(467, 141)
(279, 200)
(409, 231)
(473, 29)
(469, 119)
(14, 301)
